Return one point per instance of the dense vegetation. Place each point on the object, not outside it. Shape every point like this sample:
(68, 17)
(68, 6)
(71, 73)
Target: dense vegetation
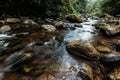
(111, 7)
(94, 7)
(59, 7)
(100, 7)
(42, 7)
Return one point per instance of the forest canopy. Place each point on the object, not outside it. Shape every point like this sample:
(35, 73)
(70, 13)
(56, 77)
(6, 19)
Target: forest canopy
(42, 7)
(58, 7)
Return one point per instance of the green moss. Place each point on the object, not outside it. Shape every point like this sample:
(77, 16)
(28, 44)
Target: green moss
(102, 24)
(73, 18)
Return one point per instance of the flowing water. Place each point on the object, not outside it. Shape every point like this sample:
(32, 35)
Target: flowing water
(86, 33)
(49, 59)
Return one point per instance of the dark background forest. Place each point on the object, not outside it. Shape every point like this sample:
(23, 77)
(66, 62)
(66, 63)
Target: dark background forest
(58, 7)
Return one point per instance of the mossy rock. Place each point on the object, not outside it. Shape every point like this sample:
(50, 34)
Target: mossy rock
(107, 15)
(102, 24)
(73, 18)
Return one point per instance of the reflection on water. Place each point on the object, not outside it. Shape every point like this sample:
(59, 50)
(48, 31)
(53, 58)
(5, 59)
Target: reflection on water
(85, 33)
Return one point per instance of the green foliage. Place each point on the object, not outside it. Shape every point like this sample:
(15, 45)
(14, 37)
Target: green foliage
(62, 7)
(94, 7)
(44, 7)
(111, 7)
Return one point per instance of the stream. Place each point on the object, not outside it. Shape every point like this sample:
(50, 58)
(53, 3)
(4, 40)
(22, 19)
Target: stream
(32, 54)
(86, 33)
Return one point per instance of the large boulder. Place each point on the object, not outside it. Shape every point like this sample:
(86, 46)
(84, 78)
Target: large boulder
(5, 28)
(82, 48)
(73, 18)
(113, 30)
(108, 30)
(48, 27)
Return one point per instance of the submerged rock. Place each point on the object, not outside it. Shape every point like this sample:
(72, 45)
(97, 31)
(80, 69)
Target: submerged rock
(48, 27)
(5, 28)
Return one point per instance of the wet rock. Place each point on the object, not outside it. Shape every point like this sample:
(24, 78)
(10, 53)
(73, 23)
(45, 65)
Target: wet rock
(13, 20)
(78, 25)
(103, 49)
(46, 77)
(27, 69)
(17, 58)
(48, 27)
(114, 75)
(113, 30)
(108, 30)
(83, 48)
(69, 26)
(5, 28)
(117, 44)
(85, 72)
(22, 35)
(13, 43)
(10, 76)
(73, 18)
(60, 38)
(60, 25)
(95, 17)
(100, 25)
(30, 22)
(2, 22)
(48, 20)
(109, 59)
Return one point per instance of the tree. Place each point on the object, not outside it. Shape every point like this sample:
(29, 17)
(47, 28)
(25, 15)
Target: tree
(111, 7)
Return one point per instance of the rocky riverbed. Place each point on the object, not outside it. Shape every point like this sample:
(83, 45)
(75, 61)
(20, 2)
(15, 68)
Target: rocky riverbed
(59, 49)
